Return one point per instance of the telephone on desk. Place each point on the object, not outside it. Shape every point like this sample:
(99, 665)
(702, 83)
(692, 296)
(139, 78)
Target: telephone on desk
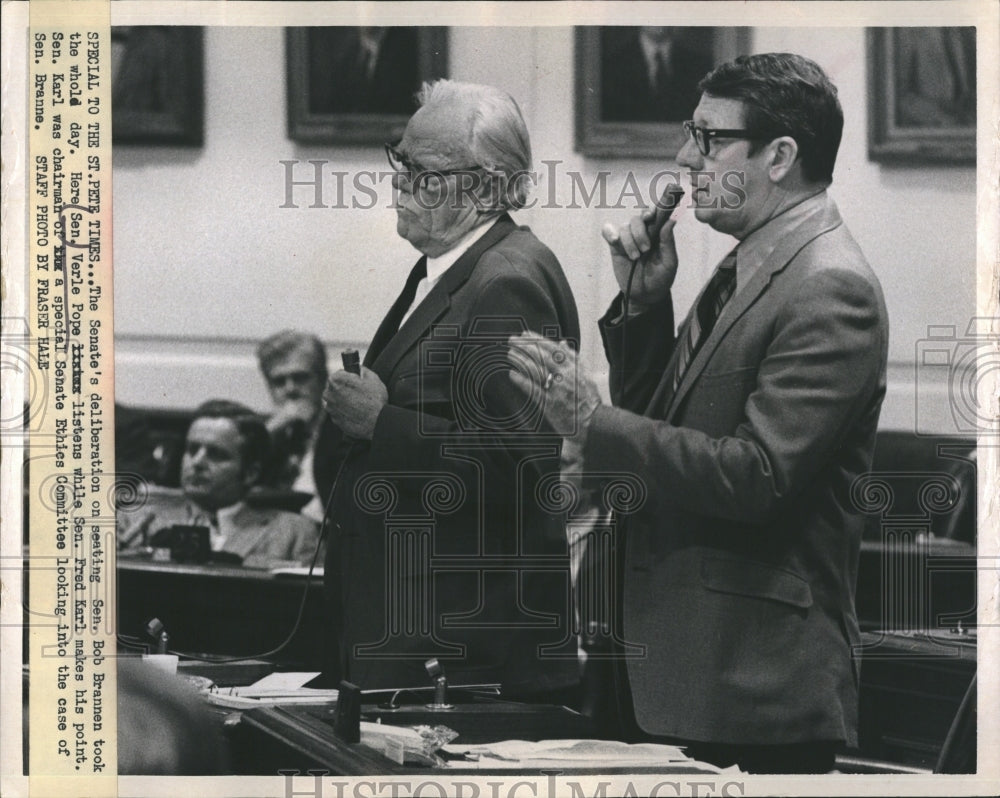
(190, 543)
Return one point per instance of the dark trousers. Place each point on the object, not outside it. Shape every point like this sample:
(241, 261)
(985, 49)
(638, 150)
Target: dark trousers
(619, 721)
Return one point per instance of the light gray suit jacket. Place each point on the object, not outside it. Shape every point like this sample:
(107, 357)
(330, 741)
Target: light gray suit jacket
(263, 537)
(740, 569)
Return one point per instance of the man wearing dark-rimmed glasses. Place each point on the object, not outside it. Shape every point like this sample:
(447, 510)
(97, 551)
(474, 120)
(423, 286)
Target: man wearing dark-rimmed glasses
(748, 427)
(416, 174)
(439, 547)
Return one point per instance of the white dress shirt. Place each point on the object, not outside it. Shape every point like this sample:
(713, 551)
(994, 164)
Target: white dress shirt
(437, 266)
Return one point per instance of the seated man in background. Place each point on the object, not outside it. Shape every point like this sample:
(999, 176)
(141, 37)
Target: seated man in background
(225, 451)
(294, 366)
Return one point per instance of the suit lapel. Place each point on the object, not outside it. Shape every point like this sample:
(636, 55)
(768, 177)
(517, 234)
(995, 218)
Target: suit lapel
(243, 531)
(390, 322)
(824, 220)
(437, 302)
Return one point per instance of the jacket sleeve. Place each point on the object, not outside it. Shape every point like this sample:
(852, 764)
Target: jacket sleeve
(822, 370)
(638, 350)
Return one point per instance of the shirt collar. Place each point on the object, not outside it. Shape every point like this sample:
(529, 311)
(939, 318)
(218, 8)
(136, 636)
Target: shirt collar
(439, 265)
(757, 247)
(229, 512)
(196, 513)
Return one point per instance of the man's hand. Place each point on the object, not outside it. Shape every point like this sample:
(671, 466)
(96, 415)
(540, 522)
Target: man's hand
(548, 372)
(648, 240)
(354, 402)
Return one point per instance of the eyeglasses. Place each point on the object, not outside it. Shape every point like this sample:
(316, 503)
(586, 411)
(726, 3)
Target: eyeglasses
(702, 136)
(416, 174)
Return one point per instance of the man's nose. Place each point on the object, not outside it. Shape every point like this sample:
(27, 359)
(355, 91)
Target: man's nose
(197, 457)
(401, 182)
(690, 156)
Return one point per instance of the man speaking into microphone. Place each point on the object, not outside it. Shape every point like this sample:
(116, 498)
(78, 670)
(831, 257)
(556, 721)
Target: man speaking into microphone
(439, 547)
(748, 428)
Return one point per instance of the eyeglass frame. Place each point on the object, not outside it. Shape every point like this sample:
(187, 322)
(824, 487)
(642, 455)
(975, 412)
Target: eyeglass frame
(709, 133)
(415, 174)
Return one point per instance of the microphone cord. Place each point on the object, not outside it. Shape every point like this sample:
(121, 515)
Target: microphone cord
(625, 301)
(665, 206)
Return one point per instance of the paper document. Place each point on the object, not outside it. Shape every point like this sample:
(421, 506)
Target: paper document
(591, 753)
(275, 688)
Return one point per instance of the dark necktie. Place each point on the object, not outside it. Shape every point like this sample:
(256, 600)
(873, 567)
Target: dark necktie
(390, 324)
(417, 273)
(720, 288)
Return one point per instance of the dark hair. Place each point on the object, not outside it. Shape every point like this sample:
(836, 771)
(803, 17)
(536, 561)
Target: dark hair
(785, 95)
(256, 443)
(275, 349)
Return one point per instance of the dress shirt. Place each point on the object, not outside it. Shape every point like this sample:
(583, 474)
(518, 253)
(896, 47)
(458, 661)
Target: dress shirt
(216, 536)
(305, 482)
(436, 267)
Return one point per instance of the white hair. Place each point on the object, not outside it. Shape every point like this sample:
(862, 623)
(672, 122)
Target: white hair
(498, 138)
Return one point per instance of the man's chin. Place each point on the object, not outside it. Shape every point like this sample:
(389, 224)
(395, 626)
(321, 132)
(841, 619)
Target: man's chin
(402, 230)
(705, 214)
(195, 493)
(719, 219)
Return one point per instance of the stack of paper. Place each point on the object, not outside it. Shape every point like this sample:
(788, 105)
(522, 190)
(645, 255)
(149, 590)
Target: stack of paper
(275, 688)
(581, 753)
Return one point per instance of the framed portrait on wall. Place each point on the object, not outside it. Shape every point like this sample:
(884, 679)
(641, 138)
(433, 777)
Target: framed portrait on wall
(636, 85)
(157, 85)
(922, 94)
(357, 85)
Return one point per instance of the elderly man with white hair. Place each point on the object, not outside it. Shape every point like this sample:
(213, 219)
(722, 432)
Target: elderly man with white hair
(442, 544)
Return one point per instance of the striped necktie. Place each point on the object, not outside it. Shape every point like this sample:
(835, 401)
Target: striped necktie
(720, 288)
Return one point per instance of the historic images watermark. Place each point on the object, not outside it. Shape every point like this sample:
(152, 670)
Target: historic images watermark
(313, 185)
(550, 784)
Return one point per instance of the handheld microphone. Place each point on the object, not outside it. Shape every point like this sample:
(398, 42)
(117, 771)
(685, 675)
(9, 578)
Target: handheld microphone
(351, 360)
(665, 207)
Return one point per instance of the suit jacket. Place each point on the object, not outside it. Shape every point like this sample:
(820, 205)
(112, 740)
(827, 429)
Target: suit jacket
(741, 567)
(263, 537)
(440, 547)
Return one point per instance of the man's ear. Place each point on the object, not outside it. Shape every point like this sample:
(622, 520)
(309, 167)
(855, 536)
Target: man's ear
(489, 192)
(785, 151)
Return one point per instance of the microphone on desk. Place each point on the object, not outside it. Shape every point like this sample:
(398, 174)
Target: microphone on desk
(436, 672)
(156, 630)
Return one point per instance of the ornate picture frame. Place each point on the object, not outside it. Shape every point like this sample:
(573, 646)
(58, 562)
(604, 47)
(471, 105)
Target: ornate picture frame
(922, 95)
(636, 85)
(356, 86)
(157, 85)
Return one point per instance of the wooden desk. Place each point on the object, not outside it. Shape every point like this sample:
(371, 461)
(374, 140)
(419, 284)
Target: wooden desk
(226, 610)
(911, 689)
